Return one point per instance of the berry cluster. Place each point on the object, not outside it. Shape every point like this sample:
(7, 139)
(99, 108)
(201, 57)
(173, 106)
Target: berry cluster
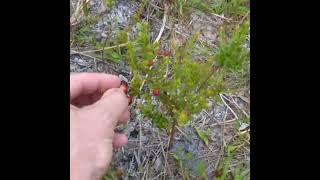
(124, 86)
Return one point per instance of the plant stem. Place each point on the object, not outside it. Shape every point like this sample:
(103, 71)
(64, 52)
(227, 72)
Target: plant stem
(172, 132)
(167, 100)
(204, 82)
(214, 69)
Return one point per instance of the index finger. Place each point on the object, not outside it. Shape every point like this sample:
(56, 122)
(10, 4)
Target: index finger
(88, 83)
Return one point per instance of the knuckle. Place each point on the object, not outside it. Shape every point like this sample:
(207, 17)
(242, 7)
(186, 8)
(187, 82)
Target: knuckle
(113, 76)
(117, 94)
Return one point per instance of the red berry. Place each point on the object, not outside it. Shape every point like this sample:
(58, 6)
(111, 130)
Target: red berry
(167, 53)
(159, 52)
(218, 173)
(124, 86)
(119, 172)
(129, 99)
(150, 63)
(156, 92)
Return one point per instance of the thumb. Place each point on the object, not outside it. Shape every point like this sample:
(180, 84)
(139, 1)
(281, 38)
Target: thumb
(111, 106)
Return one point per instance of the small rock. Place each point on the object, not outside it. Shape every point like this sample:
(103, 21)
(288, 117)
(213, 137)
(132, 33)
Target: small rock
(243, 126)
(82, 62)
(123, 78)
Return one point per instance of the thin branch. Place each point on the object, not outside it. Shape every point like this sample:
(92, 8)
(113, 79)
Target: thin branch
(243, 18)
(222, 17)
(172, 132)
(83, 54)
(184, 134)
(163, 153)
(243, 111)
(163, 23)
(77, 14)
(204, 82)
(222, 98)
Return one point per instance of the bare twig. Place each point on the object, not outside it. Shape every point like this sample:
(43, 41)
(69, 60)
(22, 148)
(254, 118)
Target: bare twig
(243, 111)
(106, 48)
(163, 23)
(167, 71)
(243, 18)
(203, 122)
(155, 6)
(223, 144)
(222, 98)
(222, 147)
(226, 122)
(140, 135)
(164, 154)
(222, 17)
(136, 157)
(184, 134)
(74, 20)
(157, 176)
(172, 132)
(137, 148)
(219, 157)
(84, 54)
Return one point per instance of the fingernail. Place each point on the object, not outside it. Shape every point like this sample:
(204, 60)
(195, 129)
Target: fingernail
(129, 99)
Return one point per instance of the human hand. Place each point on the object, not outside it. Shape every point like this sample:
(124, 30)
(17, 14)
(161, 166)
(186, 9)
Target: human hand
(97, 105)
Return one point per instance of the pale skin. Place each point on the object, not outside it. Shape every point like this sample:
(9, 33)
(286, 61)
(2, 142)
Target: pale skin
(97, 106)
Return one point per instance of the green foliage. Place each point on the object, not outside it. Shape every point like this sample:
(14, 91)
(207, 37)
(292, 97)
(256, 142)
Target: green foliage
(109, 3)
(178, 154)
(231, 7)
(232, 55)
(240, 121)
(201, 170)
(247, 120)
(85, 8)
(224, 167)
(181, 157)
(184, 158)
(241, 173)
(137, 16)
(114, 54)
(183, 7)
(188, 156)
(203, 136)
(180, 96)
(158, 119)
(110, 174)
(225, 170)
(81, 35)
